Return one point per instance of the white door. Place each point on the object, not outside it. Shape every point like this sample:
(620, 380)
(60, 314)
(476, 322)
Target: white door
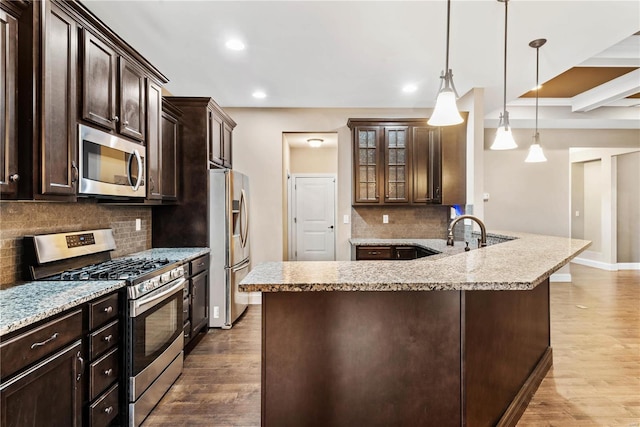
(314, 218)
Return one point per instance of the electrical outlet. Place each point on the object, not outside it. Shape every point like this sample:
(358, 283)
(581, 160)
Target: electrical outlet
(577, 213)
(345, 219)
(385, 219)
(138, 224)
(216, 312)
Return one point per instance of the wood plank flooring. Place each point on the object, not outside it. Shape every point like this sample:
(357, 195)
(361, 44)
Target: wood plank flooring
(595, 380)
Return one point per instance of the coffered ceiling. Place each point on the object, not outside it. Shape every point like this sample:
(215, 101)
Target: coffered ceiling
(360, 54)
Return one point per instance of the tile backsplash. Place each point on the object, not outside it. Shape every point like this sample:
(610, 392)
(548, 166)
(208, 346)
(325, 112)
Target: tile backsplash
(18, 219)
(420, 222)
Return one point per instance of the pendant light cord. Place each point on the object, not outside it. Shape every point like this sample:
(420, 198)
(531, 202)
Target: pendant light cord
(504, 99)
(446, 69)
(537, 83)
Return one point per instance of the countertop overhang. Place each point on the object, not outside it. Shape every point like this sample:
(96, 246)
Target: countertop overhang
(518, 264)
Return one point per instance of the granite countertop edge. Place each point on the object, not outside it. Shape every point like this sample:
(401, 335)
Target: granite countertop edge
(521, 262)
(30, 302)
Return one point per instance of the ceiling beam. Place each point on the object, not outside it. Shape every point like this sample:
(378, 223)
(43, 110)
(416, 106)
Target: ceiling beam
(608, 92)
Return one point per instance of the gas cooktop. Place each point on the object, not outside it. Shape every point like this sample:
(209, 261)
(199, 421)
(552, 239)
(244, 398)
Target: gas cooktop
(117, 269)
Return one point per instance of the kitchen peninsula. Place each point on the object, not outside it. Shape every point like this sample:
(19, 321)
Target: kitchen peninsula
(462, 339)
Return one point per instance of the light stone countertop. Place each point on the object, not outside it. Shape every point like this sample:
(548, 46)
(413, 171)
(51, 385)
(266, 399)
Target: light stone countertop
(518, 264)
(25, 304)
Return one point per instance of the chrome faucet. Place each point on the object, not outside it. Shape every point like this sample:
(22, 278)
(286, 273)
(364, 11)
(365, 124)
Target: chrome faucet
(482, 241)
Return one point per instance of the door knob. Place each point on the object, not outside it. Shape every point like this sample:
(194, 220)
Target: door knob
(331, 227)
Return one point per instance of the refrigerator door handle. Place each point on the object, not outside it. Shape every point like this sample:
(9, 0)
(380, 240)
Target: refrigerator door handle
(241, 266)
(244, 229)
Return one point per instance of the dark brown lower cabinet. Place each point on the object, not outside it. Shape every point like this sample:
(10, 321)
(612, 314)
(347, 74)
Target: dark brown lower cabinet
(48, 394)
(197, 316)
(390, 253)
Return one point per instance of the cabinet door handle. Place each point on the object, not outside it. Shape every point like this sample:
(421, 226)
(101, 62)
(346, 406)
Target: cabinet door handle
(126, 123)
(48, 340)
(115, 119)
(81, 360)
(152, 185)
(108, 410)
(74, 175)
(108, 372)
(107, 338)
(108, 310)
(14, 177)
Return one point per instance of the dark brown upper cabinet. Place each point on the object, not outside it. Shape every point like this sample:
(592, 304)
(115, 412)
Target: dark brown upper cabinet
(113, 89)
(426, 165)
(404, 161)
(58, 169)
(220, 138)
(154, 142)
(99, 62)
(9, 174)
(397, 184)
(170, 161)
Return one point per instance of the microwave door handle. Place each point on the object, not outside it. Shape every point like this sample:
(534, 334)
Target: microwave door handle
(129, 170)
(139, 179)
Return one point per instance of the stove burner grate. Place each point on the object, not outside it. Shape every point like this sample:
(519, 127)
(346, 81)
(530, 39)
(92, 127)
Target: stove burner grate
(119, 269)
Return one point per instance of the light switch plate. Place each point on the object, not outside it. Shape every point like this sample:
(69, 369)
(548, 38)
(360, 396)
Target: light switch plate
(345, 219)
(485, 197)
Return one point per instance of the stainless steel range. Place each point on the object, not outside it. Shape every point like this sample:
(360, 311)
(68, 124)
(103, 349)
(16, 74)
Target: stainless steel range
(153, 337)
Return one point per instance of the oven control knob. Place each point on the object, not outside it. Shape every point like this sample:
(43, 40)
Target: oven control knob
(165, 277)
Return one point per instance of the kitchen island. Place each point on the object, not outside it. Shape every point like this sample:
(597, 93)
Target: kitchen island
(451, 340)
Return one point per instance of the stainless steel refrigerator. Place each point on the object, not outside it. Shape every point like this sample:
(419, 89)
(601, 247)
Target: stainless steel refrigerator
(229, 243)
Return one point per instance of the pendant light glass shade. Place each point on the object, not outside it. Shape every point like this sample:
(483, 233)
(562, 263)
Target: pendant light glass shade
(446, 113)
(504, 138)
(536, 155)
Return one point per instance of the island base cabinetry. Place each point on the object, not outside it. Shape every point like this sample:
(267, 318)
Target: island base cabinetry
(434, 358)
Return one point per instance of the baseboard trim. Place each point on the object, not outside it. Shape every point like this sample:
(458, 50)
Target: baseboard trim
(560, 277)
(595, 264)
(519, 404)
(629, 266)
(607, 266)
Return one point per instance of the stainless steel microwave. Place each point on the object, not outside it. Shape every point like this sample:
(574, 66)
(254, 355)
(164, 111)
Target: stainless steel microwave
(110, 166)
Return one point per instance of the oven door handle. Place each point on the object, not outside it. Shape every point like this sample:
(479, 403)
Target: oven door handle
(143, 304)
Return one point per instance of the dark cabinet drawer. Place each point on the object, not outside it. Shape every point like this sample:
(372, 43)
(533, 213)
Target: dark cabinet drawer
(373, 253)
(33, 345)
(198, 265)
(103, 339)
(105, 409)
(103, 372)
(103, 310)
(406, 252)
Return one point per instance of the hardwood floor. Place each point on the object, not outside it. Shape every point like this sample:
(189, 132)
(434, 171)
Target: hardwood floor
(595, 380)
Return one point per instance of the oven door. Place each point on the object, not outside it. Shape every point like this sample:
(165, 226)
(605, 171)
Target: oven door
(109, 165)
(155, 326)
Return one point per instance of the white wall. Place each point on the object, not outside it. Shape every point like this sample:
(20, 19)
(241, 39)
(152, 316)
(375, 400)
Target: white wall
(603, 253)
(314, 160)
(628, 207)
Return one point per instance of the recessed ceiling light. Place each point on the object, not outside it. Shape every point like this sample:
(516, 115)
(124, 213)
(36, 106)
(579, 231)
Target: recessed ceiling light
(259, 94)
(409, 88)
(315, 142)
(234, 44)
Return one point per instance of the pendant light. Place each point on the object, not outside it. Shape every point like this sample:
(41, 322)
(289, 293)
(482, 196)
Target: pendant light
(535, 151)
(446, 112)
(504, 138)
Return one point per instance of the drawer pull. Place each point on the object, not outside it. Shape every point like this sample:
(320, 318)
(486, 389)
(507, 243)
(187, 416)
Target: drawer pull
(107, 338)
(108, 410)
(374, 253)
(108, 372)
(108, 310)
(40, 344)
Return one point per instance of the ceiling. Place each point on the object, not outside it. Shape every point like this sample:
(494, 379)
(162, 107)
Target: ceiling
(360, 54)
